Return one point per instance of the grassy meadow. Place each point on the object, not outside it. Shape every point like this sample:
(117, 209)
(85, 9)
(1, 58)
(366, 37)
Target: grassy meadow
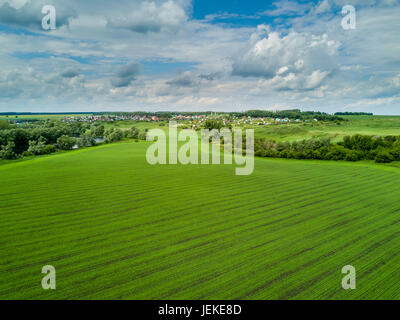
(38, 117)
(365, 125)
(115, 227)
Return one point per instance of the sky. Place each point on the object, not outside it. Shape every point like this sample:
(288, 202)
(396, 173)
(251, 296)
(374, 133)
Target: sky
(200, 55)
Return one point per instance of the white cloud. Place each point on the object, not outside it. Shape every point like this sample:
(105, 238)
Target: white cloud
(306, 60)
(291, 81)
(272, 55)
(28, 13)
(323, 7)
(70, 73)
(288, 7)
(126, 75)
(150, 17)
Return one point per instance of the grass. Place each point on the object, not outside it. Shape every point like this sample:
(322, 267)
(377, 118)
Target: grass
(367, 125)
(39, 117)
(127, 124)
(116, 228)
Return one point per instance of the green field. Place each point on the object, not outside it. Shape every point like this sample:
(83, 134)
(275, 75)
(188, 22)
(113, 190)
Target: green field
(39, 117)
(115, 227)
(365, 125)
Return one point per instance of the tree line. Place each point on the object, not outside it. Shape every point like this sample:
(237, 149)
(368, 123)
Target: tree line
(290, 114)
(353, 114)
(49, 136)
(352, 148)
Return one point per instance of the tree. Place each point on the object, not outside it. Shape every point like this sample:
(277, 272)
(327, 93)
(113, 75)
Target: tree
(142, 136)
(132, 133)
(395, 153)
(66, 143)
(86, 140)
(383, 156)
(213, 124)
(282, 146)
(352, 155)
(21, 139)
(7, 152)
(99, 131)
(4, 125)
(78, 128)
(49, 149)
(37, 147)
(336, 152)
(113, 135)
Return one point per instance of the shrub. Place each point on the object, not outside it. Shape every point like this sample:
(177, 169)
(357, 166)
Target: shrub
(132, 133)
(372, 155)
(99, 131)
(352, 156)
(65, 142)
(114, 135)
(336, 152)
(282, 146)
(271, 153)
(285, 154)
(4, 125)
(213, 124)
(395, 153)
(49, 149)
(87, 140)
(143, 136)
(36, 147)
(383, 156)
(260, 153)
(320, 154)
(307, 154)
(7, 152)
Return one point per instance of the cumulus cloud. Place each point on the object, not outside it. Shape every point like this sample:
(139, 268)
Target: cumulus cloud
(28, 13)
(302, 58)
(293, 81)
(126, 75)
(151, 17)
(189, 79)
(323, 7)
(9, 91)
(32, 85)
(294, 61)
(366, 3)
(288, 8)
(185, 79)
(136, 15)
(70, 73)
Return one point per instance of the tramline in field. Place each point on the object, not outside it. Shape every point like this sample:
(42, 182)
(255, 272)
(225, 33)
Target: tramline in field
(115, 227)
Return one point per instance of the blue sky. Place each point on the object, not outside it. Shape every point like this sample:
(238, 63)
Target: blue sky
(249, 12)
(201, 55)
(201, 8)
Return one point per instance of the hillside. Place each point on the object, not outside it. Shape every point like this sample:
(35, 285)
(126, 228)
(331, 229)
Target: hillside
(116, 228)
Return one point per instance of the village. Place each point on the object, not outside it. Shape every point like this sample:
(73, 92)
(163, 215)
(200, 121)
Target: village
(190, 121)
